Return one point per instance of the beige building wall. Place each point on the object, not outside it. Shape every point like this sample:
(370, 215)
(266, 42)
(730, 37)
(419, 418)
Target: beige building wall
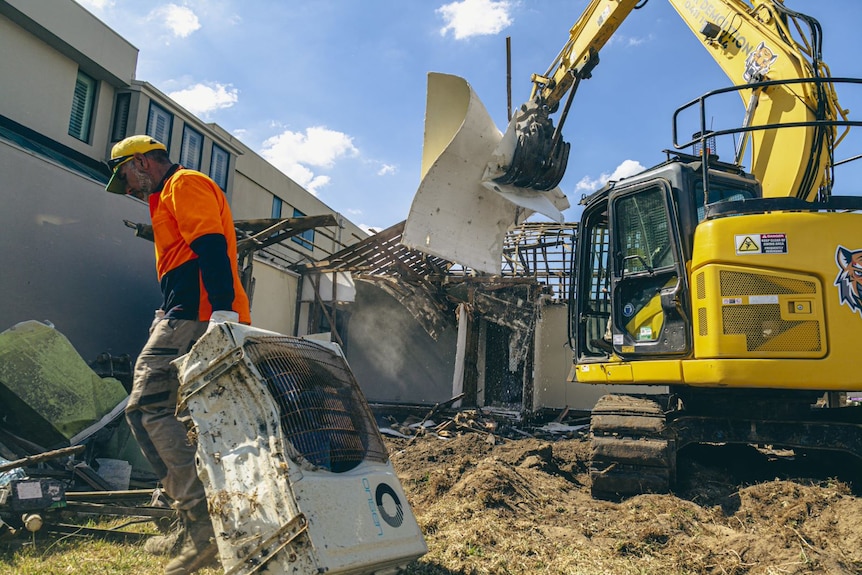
(73, 31)
(274, 298)
(41, 70)
(46, 43)
(553, 362)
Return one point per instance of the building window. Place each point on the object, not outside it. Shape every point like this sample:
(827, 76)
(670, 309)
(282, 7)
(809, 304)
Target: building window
(306, 238)
(121, 117)
(193, 145)
(276, 206)
(82, 107)
(219, 165)
(159, 122)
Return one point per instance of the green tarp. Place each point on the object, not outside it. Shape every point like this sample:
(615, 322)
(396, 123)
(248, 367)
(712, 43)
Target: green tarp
(48, 393)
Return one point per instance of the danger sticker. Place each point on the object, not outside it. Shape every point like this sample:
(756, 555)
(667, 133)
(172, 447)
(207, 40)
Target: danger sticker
(761, 244)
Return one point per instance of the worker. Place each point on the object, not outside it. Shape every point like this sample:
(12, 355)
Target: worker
(196, 264)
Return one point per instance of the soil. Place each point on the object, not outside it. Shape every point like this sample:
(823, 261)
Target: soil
(490, 504)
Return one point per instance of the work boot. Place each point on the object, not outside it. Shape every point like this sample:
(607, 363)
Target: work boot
(169, 543)
(166, 545)
(199, 548)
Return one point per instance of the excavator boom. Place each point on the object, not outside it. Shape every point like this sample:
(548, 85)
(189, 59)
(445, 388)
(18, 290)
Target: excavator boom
(757, 42)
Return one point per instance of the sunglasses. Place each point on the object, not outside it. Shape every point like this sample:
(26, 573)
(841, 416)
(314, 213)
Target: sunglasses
(114, 163)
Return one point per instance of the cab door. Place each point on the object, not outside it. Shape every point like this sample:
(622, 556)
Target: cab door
(649, 288)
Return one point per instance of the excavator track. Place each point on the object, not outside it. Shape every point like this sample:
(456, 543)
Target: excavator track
(632, 449)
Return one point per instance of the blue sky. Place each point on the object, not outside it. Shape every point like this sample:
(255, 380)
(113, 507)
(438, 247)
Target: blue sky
(332, 92)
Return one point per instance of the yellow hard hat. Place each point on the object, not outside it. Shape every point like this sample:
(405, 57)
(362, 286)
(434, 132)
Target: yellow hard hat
(125, 150)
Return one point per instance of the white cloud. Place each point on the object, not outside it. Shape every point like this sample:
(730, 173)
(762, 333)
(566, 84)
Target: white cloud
(181, 20)
(386, 169)
(301, 175)
(475, 17)
(201, 99)
(625, 169)
(318, 147)
(629, 41)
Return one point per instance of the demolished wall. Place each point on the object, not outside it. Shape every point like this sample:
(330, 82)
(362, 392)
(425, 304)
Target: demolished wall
(394, 359)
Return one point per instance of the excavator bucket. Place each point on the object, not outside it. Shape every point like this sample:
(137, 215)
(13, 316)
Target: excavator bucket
(457, 214)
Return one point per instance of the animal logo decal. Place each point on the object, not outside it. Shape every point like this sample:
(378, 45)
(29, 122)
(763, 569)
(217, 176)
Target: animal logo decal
(849, 280)
(758, 63)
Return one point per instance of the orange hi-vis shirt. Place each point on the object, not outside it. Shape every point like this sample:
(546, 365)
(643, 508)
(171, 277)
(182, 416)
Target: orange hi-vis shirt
(196, 254)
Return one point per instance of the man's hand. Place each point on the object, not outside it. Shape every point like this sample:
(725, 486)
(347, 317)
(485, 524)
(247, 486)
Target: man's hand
(158, 316)
(222, 316)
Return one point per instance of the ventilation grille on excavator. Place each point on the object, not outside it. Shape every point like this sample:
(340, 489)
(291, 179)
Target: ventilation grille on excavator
(322, 411)
(762, 324)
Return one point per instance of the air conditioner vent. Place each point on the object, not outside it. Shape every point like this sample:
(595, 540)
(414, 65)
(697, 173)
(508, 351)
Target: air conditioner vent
(322, 411)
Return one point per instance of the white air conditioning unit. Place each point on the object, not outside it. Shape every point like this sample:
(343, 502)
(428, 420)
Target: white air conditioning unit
(296, 473)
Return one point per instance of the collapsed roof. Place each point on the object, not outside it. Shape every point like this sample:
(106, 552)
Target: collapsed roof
(536, 262)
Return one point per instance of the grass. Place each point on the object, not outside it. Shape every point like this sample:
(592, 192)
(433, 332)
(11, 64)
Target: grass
(51, 554)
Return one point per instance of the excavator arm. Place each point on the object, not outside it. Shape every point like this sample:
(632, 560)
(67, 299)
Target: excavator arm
(532, 153)
(750, 42)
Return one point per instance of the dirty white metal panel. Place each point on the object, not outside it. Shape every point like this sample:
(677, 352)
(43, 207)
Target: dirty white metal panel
(553, 360)
(460, 353)
(297, 476)
(453, 215)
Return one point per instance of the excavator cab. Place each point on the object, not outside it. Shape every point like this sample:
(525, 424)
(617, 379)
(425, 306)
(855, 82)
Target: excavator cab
(634, 247)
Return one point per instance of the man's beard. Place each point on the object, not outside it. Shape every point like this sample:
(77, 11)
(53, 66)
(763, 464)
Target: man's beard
(146, 184)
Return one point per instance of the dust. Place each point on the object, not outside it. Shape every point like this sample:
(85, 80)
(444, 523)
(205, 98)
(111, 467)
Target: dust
(519, 506)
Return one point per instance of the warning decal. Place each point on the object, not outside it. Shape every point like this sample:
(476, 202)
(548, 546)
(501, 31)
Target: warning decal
(761, 244)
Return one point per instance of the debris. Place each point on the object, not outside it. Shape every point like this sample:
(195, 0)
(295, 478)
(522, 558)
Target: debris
(31, 459)
(437, 406)
(391, 432)
(69, 435)
(556, 428)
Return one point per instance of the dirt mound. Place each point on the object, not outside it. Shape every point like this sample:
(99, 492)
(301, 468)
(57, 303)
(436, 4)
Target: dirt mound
(492, 505)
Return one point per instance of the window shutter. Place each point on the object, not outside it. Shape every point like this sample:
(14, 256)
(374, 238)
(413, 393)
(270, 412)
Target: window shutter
(82, 107)
(190, 154)
(121, 117)
(219, 166)
(159, 124)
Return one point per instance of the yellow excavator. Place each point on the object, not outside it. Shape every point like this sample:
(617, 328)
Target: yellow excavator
(738, 291)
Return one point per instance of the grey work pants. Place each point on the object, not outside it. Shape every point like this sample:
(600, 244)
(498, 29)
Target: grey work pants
(152, 410)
